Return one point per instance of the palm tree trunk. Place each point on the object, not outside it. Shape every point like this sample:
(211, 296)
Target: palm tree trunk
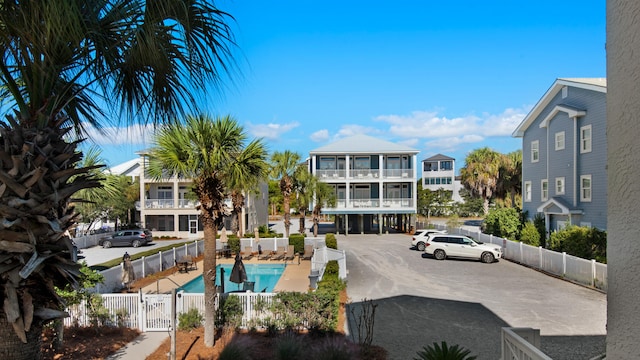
(13, 348)
(287, 216)
(209, 277)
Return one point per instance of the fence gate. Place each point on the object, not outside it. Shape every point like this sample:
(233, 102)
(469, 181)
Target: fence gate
(156, 312)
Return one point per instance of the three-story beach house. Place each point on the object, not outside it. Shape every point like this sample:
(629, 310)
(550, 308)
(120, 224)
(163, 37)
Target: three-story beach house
(439, 172)
(564, 155)
(374, 181)
(168, 206)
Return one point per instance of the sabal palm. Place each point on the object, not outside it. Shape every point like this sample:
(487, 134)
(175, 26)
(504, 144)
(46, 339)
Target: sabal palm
(283, 166)
(304, 185)
(323, 196)
(214, 153)
(480, 174)
(66, 65)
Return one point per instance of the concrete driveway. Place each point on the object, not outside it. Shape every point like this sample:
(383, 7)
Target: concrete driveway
(421, 300)
(98, 254)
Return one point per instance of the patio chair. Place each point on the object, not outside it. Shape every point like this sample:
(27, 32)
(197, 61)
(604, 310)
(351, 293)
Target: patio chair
(279, 255)
(308, 252)
(266, 255)
(247, 253)
(290, 253)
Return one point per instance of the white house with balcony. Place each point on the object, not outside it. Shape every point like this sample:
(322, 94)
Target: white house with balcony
(168, 207)
(374, 180)
(439, 172)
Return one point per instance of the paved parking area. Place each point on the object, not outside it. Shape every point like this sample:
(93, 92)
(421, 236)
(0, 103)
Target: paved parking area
(97, 254)
(421, 301)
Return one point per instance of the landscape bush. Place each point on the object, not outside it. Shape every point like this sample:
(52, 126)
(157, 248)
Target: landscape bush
(331, 241)
(529, 234)
(502, 222)
(581, 241)
(297, 240)
(189, 320)
(234, 243)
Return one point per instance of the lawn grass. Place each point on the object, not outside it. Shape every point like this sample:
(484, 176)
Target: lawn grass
(116, 262)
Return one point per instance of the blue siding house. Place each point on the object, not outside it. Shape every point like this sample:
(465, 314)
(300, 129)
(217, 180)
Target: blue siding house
(564, 155)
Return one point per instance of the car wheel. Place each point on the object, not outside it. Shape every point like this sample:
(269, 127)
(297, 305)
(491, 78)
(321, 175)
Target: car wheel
(420, 246)
(439, 254)
(487, 257)
(106, 244)
(136, 243)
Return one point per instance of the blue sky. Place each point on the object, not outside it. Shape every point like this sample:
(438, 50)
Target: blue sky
(439, 76)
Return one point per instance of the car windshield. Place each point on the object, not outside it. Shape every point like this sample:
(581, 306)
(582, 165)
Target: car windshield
(476, 241)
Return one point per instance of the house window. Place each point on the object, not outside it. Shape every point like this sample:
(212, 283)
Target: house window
(565, 92)
(560, 186)
(585, 188)
(535, 151)
(560, 140)
(430, 166)
(585, 139)
(544, 186)
(327, 163)
(527, 191)
(165, 192)
(446, 165)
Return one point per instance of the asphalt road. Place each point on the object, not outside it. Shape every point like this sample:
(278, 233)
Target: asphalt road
(421, 300)
(98, 254)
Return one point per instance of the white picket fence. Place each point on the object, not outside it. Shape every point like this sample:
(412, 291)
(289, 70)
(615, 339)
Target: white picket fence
(581, 271)
(151, 312)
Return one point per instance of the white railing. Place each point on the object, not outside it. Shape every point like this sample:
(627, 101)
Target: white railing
(582, 271)
(521, 344)
(87, 241)
(158, 203)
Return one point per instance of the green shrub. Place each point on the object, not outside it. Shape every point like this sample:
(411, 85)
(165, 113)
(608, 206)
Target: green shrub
(231, 311)
(334, 348)
(289, 346)
(502, 222)
(444, 352)
(237, 349)
(331, 241)
(297, 240)
(530, 235)
(539, 222)
(234, 243)
(583, 242)
(192, 319)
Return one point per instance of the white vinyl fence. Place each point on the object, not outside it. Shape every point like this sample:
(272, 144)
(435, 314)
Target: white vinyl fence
(151, 312)
(581, 271)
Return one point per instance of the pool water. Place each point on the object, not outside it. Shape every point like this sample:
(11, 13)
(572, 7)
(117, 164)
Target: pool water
(265, 276)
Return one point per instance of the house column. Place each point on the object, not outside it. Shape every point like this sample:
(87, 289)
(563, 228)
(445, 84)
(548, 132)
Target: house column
(346, 224)
(380, 224)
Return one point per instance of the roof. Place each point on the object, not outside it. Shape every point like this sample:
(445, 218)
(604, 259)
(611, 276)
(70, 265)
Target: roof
(363, 144)
(438, 157)
(593, 84)
(129, 168)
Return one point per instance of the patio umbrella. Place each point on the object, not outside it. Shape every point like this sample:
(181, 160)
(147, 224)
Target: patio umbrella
(238, 272)
(128, 274)
(223, 236)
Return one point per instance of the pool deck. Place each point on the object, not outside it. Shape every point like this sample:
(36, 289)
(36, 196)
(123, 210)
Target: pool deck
(294, 278)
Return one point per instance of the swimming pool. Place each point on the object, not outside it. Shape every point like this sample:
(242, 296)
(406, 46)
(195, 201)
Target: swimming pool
(265, 276)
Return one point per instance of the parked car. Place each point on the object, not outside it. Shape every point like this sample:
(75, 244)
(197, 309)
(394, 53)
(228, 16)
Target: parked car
(446, 245)
(135, 238)
(420, 237)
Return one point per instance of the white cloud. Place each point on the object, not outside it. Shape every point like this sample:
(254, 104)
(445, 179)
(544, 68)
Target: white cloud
(271, 131)
(320, 135)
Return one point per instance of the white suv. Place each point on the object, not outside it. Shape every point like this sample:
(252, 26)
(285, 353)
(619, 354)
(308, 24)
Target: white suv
(443, 246)
(420, 237)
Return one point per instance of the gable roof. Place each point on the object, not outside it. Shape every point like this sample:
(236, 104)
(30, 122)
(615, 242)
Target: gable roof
(438, 157)
(593, 84)
(128, 168)
(363, 144)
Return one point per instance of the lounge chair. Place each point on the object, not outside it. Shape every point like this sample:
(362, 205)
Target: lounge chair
(186, 263)
(279, 255)
(308, 252)
(247, 253)
(290, 253)
(266, 255)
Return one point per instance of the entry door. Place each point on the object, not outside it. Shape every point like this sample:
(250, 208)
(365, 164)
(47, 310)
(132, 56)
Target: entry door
(193, 226)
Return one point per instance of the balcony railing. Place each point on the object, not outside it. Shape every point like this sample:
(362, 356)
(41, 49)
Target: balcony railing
(169, 204)
(335, 174)
(375, 203)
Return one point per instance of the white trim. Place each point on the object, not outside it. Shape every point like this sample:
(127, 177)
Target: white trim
(535, 151)
(544, 194)
(560, 134)
(586, 145)
(555, 186)
(571, 113)
(583, 198)
(527, 191)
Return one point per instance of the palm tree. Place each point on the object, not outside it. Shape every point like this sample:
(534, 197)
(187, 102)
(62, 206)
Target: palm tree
(242, 182)
(323, 196)
(304, 185)
(480, 174)
(283, 166)
(510, 179)
(66, 65)
(213, 153)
